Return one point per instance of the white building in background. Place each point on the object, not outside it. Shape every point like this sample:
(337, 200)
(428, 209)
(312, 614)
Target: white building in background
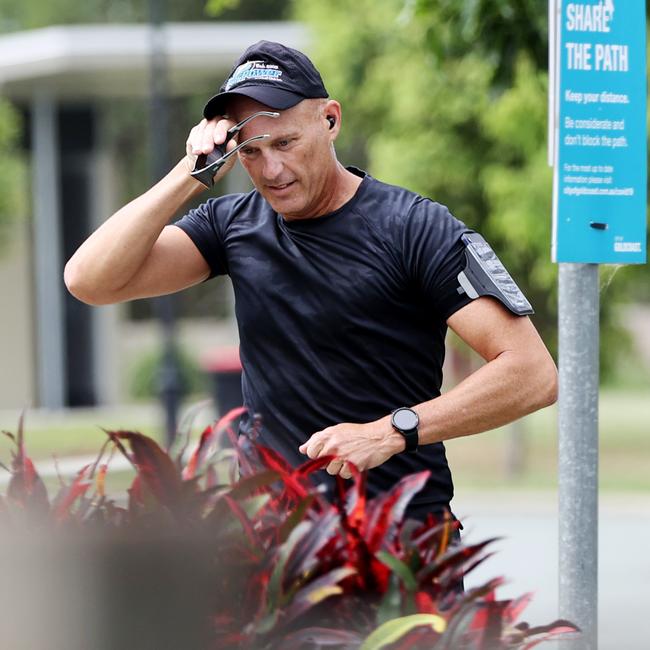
(54, 351)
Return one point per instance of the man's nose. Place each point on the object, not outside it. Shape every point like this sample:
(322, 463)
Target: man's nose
(272, 168)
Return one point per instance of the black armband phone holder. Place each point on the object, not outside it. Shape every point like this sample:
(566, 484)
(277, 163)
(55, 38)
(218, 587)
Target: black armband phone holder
(485, 275)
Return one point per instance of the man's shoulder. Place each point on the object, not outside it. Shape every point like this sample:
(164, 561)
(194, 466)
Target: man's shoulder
(399, 204)
(382, 191)
(230, 206)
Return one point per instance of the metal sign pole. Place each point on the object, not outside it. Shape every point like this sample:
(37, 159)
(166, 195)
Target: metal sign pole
(578, 450)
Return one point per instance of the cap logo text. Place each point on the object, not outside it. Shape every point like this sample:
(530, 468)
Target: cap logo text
(257, 70)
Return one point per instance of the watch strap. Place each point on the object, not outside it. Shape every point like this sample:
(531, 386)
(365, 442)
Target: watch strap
(411, 438)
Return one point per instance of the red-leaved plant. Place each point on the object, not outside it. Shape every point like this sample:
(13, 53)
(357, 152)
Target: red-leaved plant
(294, 571)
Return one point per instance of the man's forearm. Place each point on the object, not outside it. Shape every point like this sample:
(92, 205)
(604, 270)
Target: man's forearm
(505, 389)
(501, 391)
(115, 252)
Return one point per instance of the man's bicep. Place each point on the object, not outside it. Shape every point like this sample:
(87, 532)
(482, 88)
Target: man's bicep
(174, 263)
(490, 329)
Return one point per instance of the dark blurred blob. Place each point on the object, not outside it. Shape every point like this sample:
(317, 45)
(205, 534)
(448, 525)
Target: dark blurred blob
(150, 589)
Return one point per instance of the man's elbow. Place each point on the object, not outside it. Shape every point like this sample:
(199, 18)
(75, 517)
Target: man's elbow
(547, 384)
(81, 290)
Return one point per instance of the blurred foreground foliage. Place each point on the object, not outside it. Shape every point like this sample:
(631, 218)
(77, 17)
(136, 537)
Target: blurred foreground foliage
(449, 99)
(267, 562)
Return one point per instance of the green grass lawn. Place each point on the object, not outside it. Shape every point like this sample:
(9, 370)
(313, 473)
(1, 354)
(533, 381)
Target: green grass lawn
(71, 439)
(73, 432)
(478, 462)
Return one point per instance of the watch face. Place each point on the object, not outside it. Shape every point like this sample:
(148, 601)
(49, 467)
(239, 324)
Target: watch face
(405, 419)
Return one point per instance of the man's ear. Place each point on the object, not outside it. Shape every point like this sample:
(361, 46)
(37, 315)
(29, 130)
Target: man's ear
(332, 115)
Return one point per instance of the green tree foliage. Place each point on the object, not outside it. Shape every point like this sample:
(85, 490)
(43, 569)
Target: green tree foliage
(248, 9)
(449, 99)
(12, 172)
(498, 30)
(32, 14)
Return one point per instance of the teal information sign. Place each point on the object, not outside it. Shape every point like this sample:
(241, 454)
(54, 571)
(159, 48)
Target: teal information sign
(599, 211)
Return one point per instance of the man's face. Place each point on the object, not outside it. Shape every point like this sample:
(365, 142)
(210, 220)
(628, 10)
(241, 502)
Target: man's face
(294, 168)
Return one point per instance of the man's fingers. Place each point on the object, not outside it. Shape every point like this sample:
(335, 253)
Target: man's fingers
(314, 446)
(196, 137)
(190, 145)
(208, 137)
(221, 131)
(345, 471)
(340, 467)
(202, 140)
(335, 466)
(206, 134)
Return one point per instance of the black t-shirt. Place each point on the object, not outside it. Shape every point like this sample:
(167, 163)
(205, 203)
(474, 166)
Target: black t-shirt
(342, 317)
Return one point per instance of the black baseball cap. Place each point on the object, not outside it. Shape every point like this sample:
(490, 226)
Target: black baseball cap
(271, 73)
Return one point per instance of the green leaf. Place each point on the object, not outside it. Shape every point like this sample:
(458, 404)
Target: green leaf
(294, 518)
(248, 485)
(254, 504)
(398, 567)
(394, 630)
(389, 608)
(275, 583)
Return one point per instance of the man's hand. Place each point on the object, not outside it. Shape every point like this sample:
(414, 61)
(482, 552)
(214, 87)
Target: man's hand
(203, 138)
(364, 445)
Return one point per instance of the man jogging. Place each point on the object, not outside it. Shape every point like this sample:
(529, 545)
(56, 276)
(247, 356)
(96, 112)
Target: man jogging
(344, 286)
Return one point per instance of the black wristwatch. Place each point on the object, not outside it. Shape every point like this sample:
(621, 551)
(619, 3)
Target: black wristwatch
(406, 421)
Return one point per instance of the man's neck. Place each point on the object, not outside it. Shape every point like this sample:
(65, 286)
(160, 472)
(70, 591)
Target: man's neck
(339, 187)
(346, 187)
